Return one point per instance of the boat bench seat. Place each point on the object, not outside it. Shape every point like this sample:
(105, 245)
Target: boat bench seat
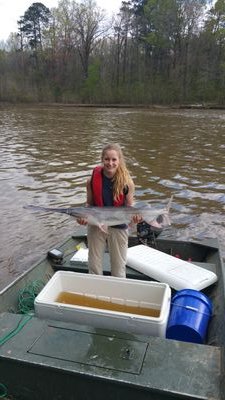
(130, 272)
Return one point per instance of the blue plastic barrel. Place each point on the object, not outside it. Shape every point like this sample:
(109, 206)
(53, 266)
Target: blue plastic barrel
(190, 313)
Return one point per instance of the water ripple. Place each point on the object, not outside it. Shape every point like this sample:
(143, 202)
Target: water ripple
(46, 155)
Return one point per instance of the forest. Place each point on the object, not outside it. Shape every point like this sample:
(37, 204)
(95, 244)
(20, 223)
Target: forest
(153, 52)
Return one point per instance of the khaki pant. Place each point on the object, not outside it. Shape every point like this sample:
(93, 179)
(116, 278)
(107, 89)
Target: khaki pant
(117, 240)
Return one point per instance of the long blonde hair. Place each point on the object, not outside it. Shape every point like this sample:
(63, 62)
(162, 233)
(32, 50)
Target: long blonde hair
(122, 177)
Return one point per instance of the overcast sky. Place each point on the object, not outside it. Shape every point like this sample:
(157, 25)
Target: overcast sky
(12, 10)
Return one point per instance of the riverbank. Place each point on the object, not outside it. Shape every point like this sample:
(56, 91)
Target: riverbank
(199, 106)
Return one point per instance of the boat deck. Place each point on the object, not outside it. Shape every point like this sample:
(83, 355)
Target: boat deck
(89, 363)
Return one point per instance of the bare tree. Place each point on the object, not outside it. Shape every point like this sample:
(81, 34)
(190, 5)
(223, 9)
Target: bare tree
(89, 26)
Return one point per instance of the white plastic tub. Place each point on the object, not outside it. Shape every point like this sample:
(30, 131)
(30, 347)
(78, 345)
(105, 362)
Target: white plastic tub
(129, 292)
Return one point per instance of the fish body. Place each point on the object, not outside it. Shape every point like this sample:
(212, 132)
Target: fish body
(111, 216)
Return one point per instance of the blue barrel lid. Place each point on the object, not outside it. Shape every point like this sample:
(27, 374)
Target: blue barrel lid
(194, 293)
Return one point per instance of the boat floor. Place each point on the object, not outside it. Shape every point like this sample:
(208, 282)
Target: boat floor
(65, 360)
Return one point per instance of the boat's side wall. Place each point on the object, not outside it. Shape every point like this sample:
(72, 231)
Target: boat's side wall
(40, 271)
(223, 321)
(45, 384)
(10, 295)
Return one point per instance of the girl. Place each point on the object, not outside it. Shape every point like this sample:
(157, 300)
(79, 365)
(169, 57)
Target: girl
(109, 185)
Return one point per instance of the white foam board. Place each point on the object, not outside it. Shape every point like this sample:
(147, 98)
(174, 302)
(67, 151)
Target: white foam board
(80, 256)
(177, 273)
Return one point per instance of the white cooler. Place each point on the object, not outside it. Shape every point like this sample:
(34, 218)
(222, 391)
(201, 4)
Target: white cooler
(129, 292)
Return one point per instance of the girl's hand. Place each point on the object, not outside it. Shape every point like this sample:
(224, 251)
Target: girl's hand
(137, 218)
(82, 221)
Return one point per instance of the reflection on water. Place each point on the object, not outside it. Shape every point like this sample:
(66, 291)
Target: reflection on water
(46, 155)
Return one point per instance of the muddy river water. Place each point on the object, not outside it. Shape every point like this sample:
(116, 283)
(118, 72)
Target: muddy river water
(47, 153)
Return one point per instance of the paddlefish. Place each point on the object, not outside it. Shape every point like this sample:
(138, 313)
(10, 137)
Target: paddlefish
(111, 216)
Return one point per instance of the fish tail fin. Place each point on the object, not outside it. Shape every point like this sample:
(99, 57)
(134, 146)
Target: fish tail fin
(169, 204)
(161, 221)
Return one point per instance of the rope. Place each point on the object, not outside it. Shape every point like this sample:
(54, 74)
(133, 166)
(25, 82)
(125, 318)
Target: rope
(3, 390)
(27, 296)
(23, 321)
(25, 306)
